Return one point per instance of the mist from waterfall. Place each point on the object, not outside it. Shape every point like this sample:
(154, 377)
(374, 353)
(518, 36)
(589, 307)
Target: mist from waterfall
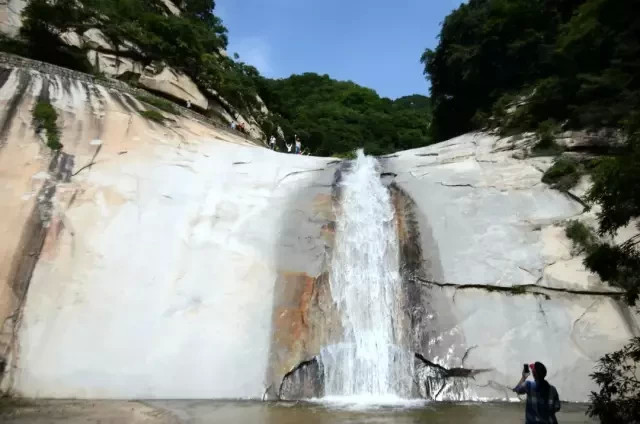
(370, 363)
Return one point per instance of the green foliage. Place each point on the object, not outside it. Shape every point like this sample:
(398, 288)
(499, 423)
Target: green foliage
(488, 48)
(615, 189)
(616, 181)
(546, 135)
(331, 117)
(564, 174)
(161, 104)
(45, 118)
(13, 46)
(191, 42)
(337, 117)
(153, 115)
(583, 238)
(574, 61)
(618, 401)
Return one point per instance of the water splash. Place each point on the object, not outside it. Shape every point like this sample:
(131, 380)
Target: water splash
(365, 281)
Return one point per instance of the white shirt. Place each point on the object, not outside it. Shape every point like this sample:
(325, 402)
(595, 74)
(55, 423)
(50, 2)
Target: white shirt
(272, 140)
(289, 146)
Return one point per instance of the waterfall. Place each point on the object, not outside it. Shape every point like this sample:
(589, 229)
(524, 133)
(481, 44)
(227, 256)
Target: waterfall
(365, 284)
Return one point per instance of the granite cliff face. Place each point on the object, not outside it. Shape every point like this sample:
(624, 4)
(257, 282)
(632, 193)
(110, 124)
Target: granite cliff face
(176, 260)
(10, 16)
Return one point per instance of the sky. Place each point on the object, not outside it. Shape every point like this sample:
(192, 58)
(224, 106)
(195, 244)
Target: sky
(375, 43)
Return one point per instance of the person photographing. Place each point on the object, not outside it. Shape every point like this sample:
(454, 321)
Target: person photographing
(542, 398)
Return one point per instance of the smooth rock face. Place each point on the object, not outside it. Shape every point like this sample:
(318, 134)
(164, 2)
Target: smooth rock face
(159, 262)
(179, 261)
(486, 220)
(176, 84)
(486, 210)
(11, 16)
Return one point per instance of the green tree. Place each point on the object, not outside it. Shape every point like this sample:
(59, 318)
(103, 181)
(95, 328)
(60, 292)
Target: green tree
(335, 117)
(191, 42)
(575, 61)
(615, 189)
(618, 401)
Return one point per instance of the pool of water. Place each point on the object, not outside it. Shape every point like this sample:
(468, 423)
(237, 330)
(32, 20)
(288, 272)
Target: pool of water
(235, 412)
(294, 413)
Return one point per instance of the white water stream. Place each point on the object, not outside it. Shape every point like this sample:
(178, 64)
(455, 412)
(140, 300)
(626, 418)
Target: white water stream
(370, 364)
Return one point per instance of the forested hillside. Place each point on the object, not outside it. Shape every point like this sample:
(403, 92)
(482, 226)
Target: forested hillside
(331, 117)
(335, 117)
(573, 61)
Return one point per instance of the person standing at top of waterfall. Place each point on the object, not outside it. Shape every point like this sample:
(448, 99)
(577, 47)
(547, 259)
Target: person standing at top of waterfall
(542, 398)
(298, 146)
(289, 146)
(272, 142)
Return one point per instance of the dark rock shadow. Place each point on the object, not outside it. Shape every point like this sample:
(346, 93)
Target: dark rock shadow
(303, 318)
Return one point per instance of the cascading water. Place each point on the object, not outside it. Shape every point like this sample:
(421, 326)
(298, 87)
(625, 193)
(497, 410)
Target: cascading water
(371, 362)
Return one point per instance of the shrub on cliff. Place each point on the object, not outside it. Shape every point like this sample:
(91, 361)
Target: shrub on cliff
(153, 115)
(45, 119)
(161, 104)
(618, 401)
(615, 189)
(563, 175)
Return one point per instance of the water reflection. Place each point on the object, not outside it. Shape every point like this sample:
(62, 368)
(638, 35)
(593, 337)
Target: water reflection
(309, 413)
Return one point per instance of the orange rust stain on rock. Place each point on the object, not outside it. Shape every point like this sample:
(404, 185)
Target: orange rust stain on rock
(56, 226)
(323, 205)
(291, 315)
(401, 222)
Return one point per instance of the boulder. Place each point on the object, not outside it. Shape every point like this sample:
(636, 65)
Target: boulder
(112, 65)
(71, 38)
(595, 141)
(11, 16)
(174, 84)
(94, 38)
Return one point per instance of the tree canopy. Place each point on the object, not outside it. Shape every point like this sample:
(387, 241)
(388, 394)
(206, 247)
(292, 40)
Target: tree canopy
(574, 61)
(335, 117)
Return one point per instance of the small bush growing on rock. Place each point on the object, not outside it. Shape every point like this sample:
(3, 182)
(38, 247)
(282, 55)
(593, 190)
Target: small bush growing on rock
(563, 175)
(583, 238)
(45, 118)
(546, 135)
(153, 115)
(517, 290)
(164, 105)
